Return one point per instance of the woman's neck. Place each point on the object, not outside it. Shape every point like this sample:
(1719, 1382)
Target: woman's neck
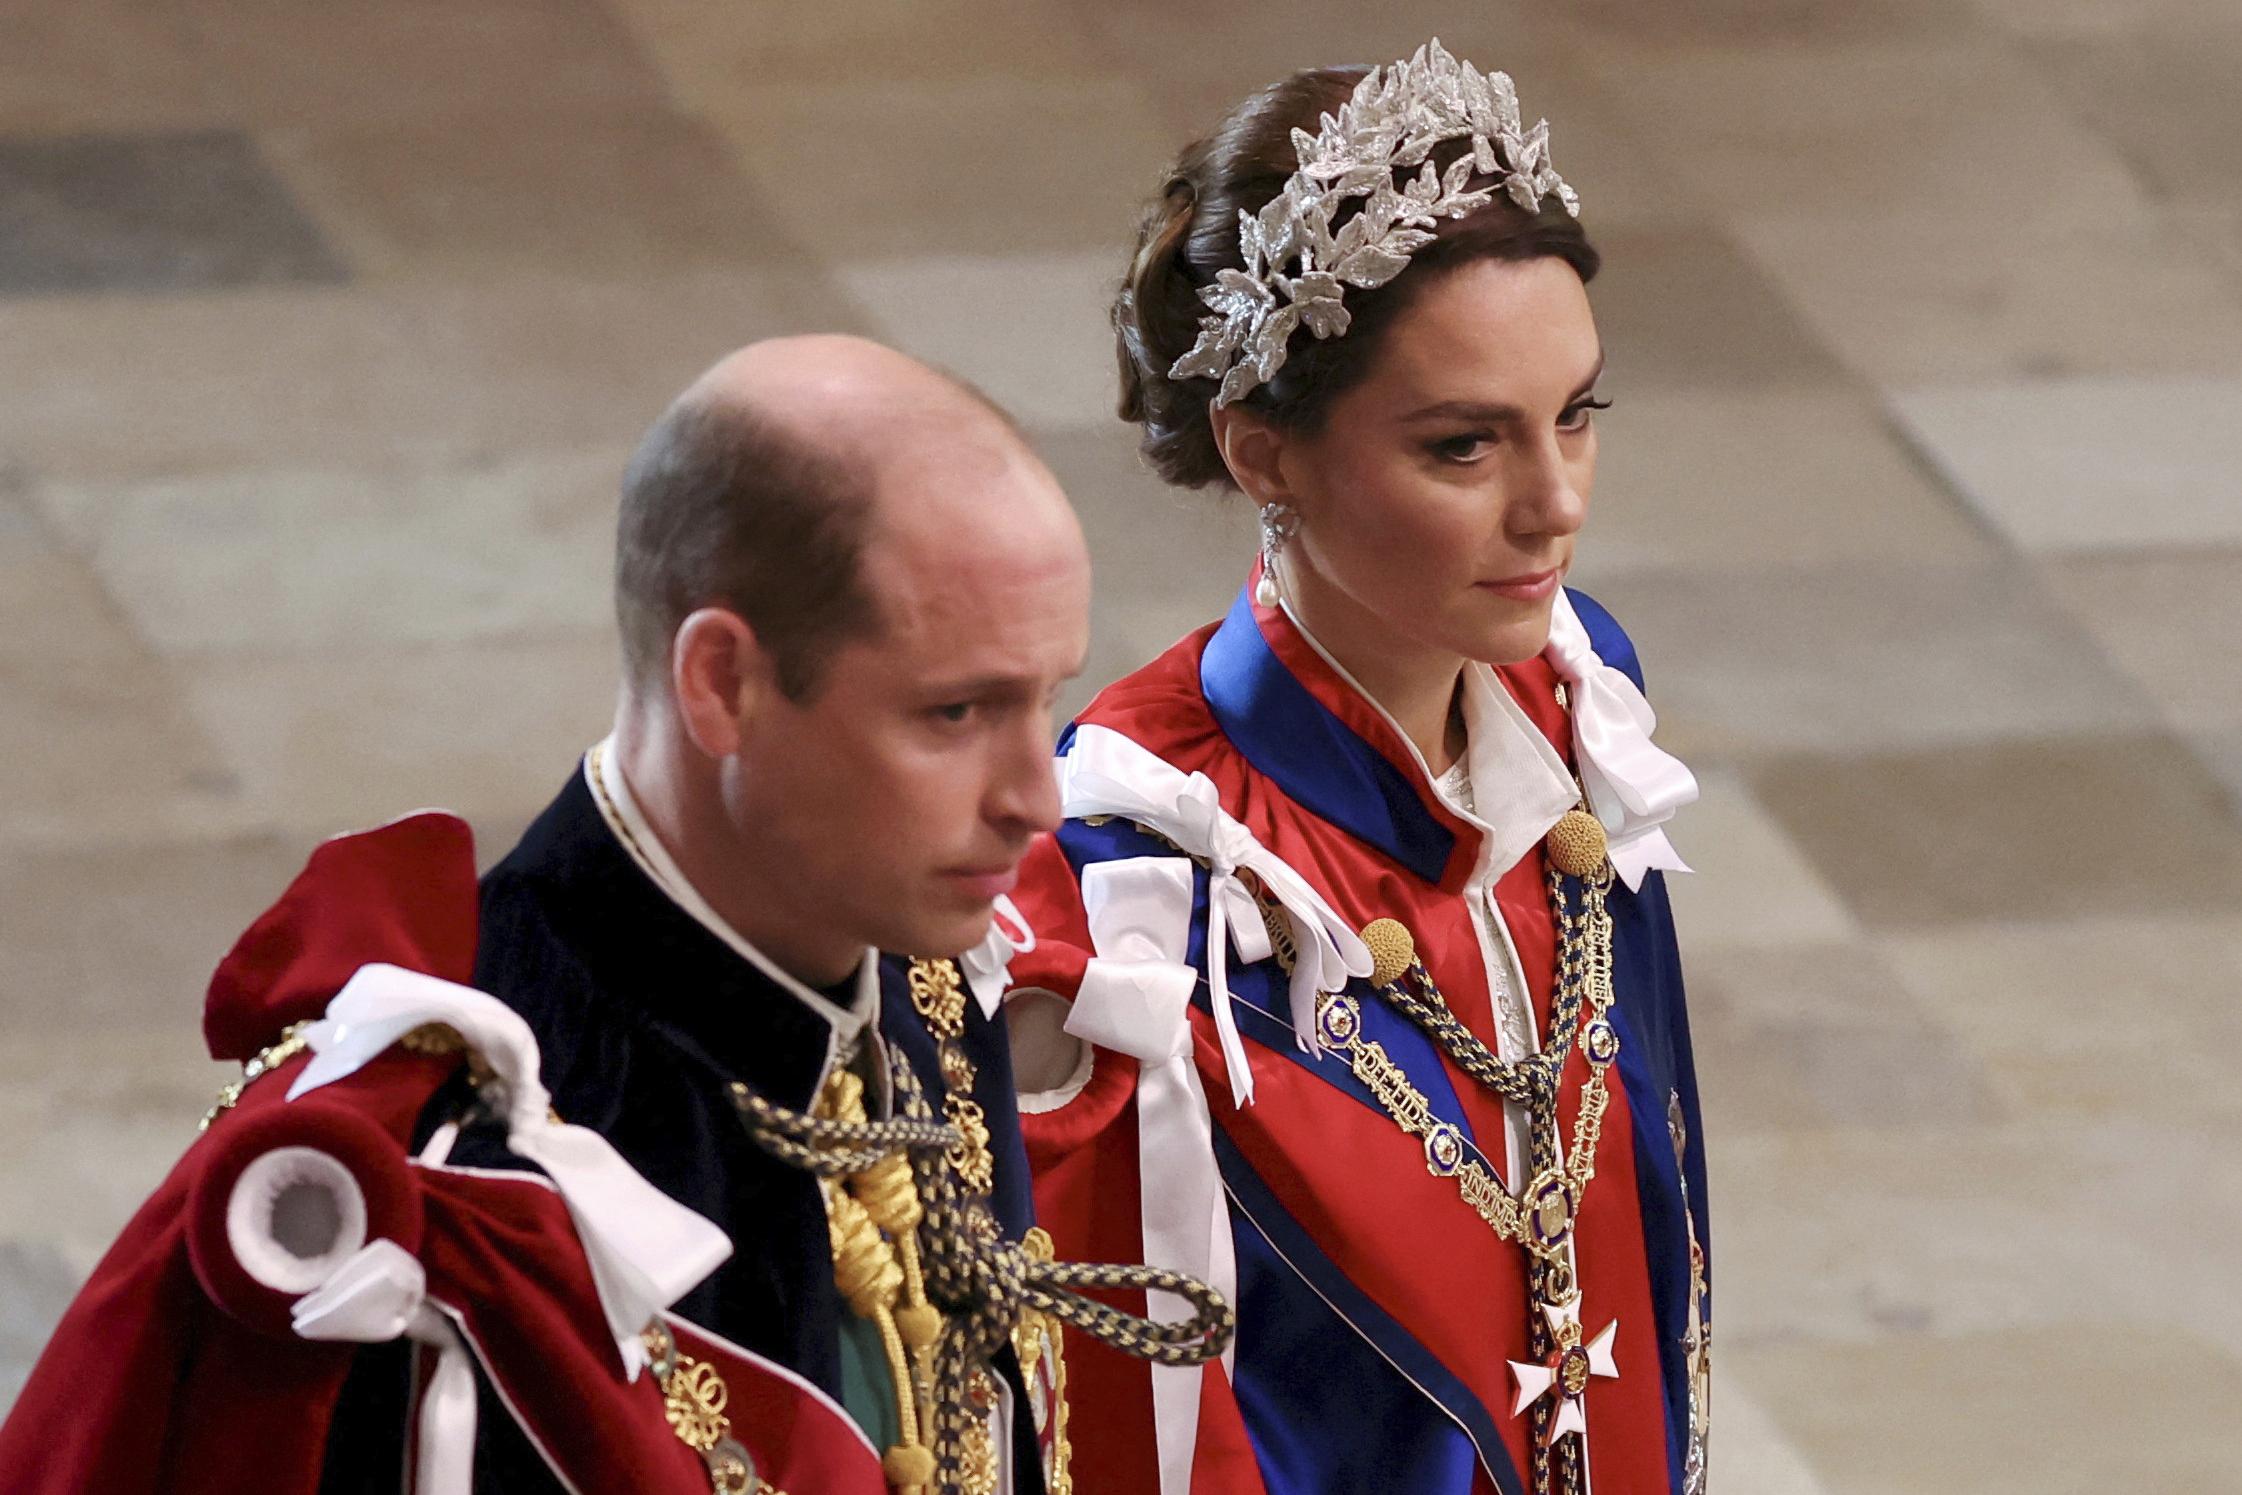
(1419, 688)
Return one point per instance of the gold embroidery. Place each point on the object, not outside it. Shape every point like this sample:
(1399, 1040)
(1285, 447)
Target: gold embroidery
(292, 1042)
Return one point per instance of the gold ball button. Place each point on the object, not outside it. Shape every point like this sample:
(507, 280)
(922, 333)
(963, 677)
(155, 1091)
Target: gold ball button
(908, 1466)
(1576, 843)
(1392, 950)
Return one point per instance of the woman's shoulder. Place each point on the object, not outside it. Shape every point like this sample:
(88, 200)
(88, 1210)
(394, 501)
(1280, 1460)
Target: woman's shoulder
(1161, 707)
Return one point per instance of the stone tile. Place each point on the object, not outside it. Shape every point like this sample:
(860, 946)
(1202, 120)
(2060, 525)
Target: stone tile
(1915, 297)
(96, 734)
(2216, 226)
(1153, 546)
(2087, 1017)
(1767, 477)
(1817, 1035)
(2006, 1413)
(2171, 621)
(588, 191)
(1752, 1456)
(1855, 1238)
(1842, 659)
(97, 65)
(128, 934)
(280, 560)
(36, 1285)
(2066, 19)
(1255, 42)
(2091, 464)
(1732, 22)
(2163, 91)
(1962, 134)
(712, 53)
(2039, 830)
(283, 63)
(354, 737)
(92, 213)
(1681, 308)
(112, 1112)
(1750, 887)
(2221, 753)
(428, 373)
(1030, 329)
(889, 167)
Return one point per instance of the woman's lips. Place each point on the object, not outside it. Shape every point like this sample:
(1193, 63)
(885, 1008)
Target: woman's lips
(1529, 588)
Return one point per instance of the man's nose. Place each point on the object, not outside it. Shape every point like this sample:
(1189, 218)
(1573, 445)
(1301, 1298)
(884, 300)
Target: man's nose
(1026, 791)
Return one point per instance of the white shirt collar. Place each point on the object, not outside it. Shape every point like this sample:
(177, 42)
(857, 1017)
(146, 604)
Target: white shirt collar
(621, 809)
(1519, 782)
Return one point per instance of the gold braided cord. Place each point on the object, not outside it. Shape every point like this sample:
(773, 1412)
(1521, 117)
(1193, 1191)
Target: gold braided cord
(947, 1290)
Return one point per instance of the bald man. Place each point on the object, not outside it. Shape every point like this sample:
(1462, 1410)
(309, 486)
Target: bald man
(681, 1152)
(848, 595)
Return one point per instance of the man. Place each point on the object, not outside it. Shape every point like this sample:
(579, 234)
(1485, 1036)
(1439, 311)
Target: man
(848, 595)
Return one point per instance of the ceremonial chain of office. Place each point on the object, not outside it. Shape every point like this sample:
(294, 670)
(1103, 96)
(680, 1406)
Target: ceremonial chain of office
(918, 1252)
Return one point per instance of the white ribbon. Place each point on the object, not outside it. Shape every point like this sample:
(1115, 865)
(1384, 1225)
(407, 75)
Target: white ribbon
(444, 1461)
(645, 1250)
(1135, 997)
(379, 1293)
(1634, 786)
(1105, 773)
(988, 965)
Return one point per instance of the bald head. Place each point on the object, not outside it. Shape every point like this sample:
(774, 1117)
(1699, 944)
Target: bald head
(762, 486)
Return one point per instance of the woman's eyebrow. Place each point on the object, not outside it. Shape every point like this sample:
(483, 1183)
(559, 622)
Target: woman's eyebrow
(1494, 412)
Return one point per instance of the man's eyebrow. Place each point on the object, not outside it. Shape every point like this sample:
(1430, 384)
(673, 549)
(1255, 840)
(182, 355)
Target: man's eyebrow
(979, 685)
(1495, 413)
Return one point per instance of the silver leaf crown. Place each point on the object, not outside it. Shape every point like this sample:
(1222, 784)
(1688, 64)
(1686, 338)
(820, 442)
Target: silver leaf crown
(1397, 116)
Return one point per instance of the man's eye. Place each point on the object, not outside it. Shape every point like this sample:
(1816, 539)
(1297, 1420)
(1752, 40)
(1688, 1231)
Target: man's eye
(955, 713)
(1577, 417)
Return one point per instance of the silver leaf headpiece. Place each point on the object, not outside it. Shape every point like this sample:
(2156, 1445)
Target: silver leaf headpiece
(1397, 116)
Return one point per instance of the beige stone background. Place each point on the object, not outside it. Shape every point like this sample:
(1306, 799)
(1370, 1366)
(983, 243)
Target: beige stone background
(324, 329)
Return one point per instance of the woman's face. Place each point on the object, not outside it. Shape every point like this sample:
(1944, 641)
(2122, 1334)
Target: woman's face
(1439, 499)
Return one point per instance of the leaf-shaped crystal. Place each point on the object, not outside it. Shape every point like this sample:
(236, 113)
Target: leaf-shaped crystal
(1318, 298)
(1372, 266)
(1391, 125)
(1218, 344)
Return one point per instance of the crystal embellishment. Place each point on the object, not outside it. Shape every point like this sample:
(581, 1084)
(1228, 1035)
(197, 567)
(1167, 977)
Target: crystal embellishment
(1387, 131)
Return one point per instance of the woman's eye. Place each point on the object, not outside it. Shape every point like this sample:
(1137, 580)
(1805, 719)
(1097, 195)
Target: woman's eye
(1466, 448)
(1578, 416)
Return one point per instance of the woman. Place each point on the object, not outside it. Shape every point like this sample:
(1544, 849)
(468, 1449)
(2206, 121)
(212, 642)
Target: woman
(1357, 992)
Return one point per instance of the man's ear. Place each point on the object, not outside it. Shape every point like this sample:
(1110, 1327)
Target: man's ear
(1254, 451)
(721, 677)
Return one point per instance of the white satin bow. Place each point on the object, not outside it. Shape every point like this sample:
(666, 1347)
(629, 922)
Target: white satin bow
(1634, 786)
(645, 1250)
(1105, 773)
(988, 965)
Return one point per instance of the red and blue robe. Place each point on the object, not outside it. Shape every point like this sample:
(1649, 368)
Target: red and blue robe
(1377, 1312)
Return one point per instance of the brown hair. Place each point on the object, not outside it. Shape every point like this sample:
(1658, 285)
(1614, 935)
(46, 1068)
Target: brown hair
(1191, 234)
(723, 506)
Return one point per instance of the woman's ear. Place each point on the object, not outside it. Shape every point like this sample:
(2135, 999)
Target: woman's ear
(1253, 449)
(721, 677)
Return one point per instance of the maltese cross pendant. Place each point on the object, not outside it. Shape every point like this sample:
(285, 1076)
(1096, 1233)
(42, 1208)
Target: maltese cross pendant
(1566, 1373)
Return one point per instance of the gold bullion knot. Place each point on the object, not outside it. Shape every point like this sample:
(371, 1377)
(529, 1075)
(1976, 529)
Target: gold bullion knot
(1393, 950)
(1577, 844)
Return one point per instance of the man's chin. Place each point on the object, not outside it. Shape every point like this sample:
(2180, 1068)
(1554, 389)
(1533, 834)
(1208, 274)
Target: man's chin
(942, 934)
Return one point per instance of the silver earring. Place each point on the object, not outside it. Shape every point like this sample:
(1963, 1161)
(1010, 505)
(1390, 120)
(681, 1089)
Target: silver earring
(1279, 523)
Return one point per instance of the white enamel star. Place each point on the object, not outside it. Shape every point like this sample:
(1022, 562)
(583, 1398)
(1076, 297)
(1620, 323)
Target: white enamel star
(1538, 1381)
